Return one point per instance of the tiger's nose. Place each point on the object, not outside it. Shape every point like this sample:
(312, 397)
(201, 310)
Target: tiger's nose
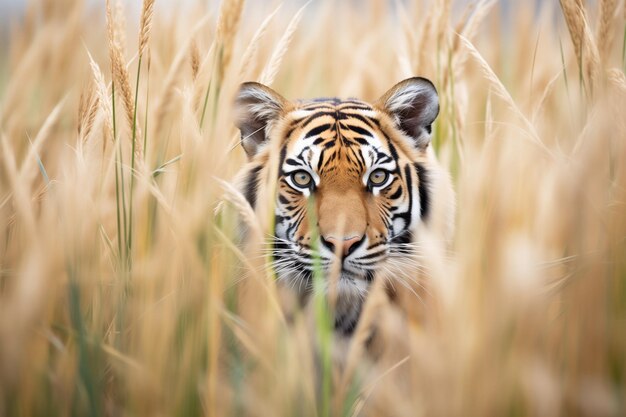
(347, 244)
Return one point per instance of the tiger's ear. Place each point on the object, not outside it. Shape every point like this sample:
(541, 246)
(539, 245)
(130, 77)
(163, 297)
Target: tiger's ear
(256, 107)
(414, 106)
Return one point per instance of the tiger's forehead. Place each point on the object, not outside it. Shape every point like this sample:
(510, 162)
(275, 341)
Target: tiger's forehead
(324, 135)
(333, 102)
(331, 122)
(343, 107)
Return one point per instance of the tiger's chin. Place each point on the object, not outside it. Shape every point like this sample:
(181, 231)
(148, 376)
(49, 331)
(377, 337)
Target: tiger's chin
(351, 286)
(349, 291)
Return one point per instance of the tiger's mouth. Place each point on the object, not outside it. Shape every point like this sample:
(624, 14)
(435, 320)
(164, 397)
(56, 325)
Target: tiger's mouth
(347, 275)
(297, 266)
(350, 281)
(365, 275)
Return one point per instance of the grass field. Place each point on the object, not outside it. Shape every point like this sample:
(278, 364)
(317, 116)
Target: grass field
(124, 291)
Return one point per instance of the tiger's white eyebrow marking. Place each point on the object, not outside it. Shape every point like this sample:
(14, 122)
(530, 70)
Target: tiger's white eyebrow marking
(301, 113)
(368, 113)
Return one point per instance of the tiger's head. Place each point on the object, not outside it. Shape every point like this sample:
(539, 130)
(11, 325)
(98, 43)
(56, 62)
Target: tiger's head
(355, 181)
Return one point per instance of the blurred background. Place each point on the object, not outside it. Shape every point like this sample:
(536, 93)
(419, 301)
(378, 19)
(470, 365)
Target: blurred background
(125, 288)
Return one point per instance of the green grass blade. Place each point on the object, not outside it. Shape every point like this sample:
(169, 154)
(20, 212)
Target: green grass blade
(624, 50)
(208, 89)
(323, 319)
(161, 169)
(132, 162)
(145, 125)
(42, 169)
(117, 180)
(88, 383)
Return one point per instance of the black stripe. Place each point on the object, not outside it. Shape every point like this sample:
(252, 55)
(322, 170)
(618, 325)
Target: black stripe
(294, 227)
(392, 149)
(353, 100)
(252, 182)
(358, 158)
(282, 199)
(371, 255)
(320, 161)
(409, 181)
(314, 116)
(371, 122)
(404, 237)
(357, 129)
(422, 174)
(330, 144)
(382, 158)
(281, 160)
(373, 263)
(355, 107)
(316, 131)
(397, 194)
(359, 155)
(375, 245)
(322, 100)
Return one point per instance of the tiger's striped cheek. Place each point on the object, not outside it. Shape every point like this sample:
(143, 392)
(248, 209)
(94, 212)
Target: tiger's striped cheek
(291, 218)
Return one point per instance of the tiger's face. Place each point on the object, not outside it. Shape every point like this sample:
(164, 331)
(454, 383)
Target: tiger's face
(352, 182)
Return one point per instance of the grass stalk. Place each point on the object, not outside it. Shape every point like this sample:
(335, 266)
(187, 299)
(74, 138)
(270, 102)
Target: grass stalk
(218, 51)
(132, 163)
(145, 125)
(624, 50)
(120, 158)
(324, 323)
(87, 380)
(117, 181)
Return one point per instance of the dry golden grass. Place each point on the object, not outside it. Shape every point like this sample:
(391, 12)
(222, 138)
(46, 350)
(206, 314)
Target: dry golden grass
(123, 287)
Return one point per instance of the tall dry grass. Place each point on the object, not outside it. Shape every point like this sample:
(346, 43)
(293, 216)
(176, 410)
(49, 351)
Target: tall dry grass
(124, 290)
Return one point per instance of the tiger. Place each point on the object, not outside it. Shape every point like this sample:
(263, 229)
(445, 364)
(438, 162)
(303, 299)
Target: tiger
(356, 184)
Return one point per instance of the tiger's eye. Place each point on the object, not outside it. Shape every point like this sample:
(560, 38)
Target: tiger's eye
(301, 179)
(378, 177)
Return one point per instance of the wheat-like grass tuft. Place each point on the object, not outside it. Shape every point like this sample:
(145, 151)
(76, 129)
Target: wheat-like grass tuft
(119, 19)
(122, 79)
(468, 31)
(103, 100)
(500, 90)
(573, 14)
(586, 50)
(604, 33)
(271, 68)
(164, 105)
(253, 46)
(87, 110)
(617, 78)
(227, 25)
(110, 29)
(119, 72)
(194, 55)
(249, 217)
(147, 13)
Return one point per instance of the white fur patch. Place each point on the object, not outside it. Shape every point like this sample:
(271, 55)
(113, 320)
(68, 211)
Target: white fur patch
(405, 98)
